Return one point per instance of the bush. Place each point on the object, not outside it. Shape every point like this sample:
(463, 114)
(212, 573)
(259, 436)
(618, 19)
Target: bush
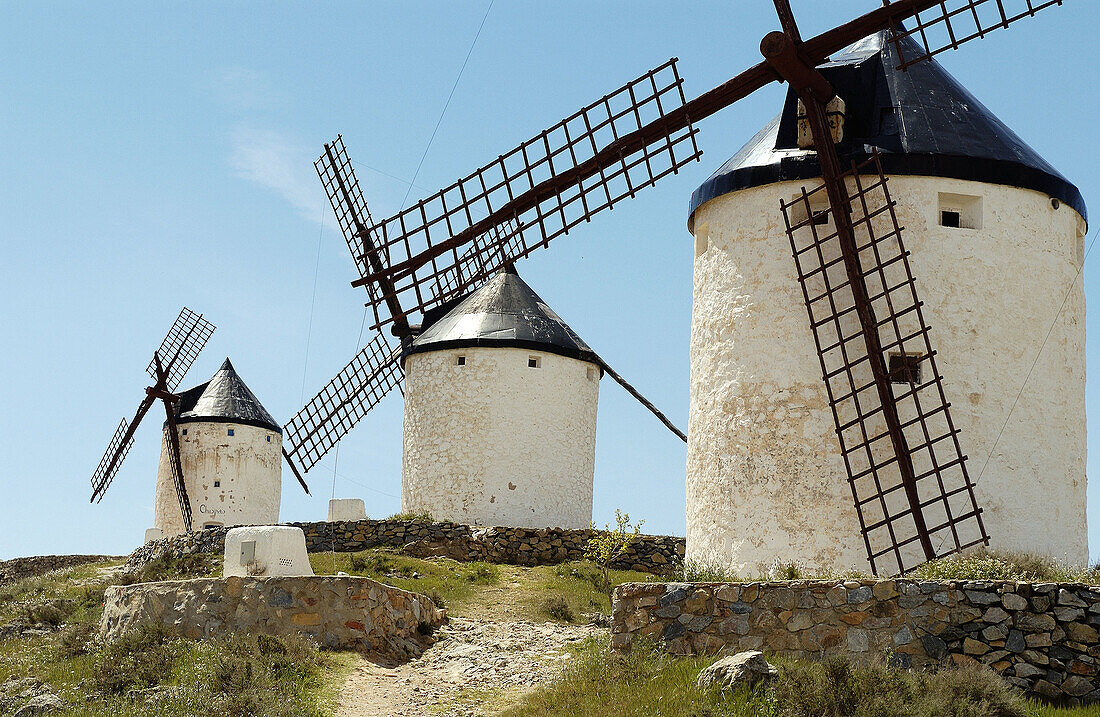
(424, 517)
(834, 687)
(558, 609)
(372, 563)
(76, 639)
(1004, 565)
(482, 574)
(138, 659)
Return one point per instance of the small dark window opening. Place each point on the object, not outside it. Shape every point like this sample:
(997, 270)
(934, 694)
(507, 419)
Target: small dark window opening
(217, 484)
(905, 368)
(269, 439)
(460, 361)
(950, 219)
(533, 362)
(185, 431)
(821, 217)
(231, 431)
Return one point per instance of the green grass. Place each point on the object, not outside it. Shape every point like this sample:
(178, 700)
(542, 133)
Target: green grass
(424, 517)
(447, 582)
(649, 683)
(466, 588)
(976, 565)
(1002, 565)
(148, 672)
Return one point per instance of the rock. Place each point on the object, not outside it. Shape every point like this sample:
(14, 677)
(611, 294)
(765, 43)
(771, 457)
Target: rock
(744, 668)
(1081, 633)
(41, 705)
(1012, 601)
(934, 646)
(1015, 642)
(1075, 686)
(1067, 597)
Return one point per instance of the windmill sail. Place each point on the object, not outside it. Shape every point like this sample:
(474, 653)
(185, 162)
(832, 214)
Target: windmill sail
(912, 491)
(586, 163)
(180, 348)
(335, 410)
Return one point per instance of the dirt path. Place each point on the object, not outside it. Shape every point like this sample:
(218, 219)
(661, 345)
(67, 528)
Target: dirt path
(472, 658)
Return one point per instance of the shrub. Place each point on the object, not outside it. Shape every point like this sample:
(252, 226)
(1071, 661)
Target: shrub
(610, 543)
(51, 614)
(371, 563)
(1004, 565)
(423, 517)
(137, 659)
(482, 574)
(558, 609)
(170, 567)
(76, 639)
(834, 687)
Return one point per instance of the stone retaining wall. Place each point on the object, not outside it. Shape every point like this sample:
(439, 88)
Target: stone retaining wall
(19, 568)
(658, 554)
(1041, 637)
(339, 612)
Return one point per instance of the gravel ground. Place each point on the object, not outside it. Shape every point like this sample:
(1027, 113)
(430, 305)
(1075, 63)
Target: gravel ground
(470, 655)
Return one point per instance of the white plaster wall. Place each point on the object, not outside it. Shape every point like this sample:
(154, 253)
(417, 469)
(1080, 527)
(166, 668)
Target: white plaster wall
(279, 551)
(495, 442)
(248, 466)
(765, 479)
(346, 509)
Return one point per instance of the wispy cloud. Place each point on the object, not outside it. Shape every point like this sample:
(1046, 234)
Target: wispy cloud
(275, 161)
(243, 88)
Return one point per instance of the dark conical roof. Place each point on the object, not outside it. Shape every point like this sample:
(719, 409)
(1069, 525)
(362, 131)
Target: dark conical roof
(502, 312)
(224, 399)
(922, 121)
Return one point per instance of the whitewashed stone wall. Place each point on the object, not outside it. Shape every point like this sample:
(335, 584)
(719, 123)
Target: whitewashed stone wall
(765, 478)
(246, 466)
(495, 442)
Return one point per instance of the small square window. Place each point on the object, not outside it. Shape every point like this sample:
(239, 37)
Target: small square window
(534, 362)
(231, 431)
(217, 484)
(960, 211)
(185, 431)
(460, 360)
(821, 217)
(905, 368)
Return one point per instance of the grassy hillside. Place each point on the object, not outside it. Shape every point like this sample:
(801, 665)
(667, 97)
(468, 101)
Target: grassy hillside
(47, 627)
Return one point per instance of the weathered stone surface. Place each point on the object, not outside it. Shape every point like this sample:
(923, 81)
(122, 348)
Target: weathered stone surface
(47, 703)
(922, 623)
(339, 612)
(744, 668)
(658, 554)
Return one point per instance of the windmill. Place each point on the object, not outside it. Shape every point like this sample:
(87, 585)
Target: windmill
(170, 363)
(606, 152)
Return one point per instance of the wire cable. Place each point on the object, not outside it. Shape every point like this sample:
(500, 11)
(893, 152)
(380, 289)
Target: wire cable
(1034, 363)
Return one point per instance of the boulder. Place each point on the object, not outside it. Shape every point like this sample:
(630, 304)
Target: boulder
(744, 668)
(42, 704)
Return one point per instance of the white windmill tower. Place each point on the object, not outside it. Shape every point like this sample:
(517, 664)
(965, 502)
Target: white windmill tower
(995, 236)
(500, 413)
(230, 449)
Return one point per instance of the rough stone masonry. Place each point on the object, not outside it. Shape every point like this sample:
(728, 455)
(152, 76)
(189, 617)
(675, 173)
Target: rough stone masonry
(339, 612)
(1041, 637)
(657, 554)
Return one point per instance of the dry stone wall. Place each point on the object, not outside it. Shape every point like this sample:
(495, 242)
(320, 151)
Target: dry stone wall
(19, 568)
(658, 554)
(338, 612)
(1041, 637)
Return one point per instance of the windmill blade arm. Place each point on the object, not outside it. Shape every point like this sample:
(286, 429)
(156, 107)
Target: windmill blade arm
(598, 156)
(175, 464)
(337, 407)
(642, 400)
(117, 450)
(180, 347)
(296, 472)
(945, 26)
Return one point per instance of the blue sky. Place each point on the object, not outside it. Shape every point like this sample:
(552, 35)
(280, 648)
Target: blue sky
(156, 155)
